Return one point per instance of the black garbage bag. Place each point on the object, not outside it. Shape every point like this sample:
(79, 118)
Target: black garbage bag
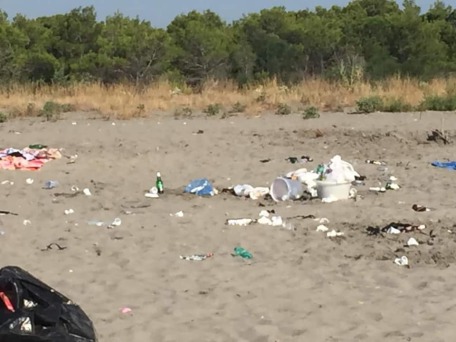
(31, 311)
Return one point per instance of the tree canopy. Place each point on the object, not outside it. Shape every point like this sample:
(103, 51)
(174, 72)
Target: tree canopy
(370, 39)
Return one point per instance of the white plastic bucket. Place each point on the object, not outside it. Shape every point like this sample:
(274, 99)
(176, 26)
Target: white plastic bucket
(283, 189)
(328, 189)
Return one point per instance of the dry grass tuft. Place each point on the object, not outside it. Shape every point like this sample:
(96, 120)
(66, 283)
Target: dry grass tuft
(124, 101)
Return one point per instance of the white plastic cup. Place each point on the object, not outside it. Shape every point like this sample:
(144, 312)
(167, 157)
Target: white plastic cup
(328, 189)
(283, 189)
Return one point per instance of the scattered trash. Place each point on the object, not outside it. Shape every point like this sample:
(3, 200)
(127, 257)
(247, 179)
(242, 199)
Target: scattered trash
(392, 230)
(26, 222)
(197, 257)
(29, 181)
(239, 222)
(402, 261)
(6, 212)
(27, 159)
(33, 311)
(74, 188)
(391, 184)
(87, 192)
(159, 184)
(265, 160)
(302, 159)
(242, 252)
(126, 310)
(335, 180)
(334, 233)
(200, 187)
(69, 211)
(283, 189)
(178, 214)
(377, 189)
(96, 223)
(246, 190)
(322, 228)
(72, 159)
(393, 227)
(116, 223)
(412, 242)
(420, 208)
(37, 146)
(50, 184)
(7, 182)
(152, 193)
(451, 165)
(376, 162)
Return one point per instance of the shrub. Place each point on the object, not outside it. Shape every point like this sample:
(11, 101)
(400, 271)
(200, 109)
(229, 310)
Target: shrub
(238, 108)
(439, 103)
(283, 109)
(3, 117)
(51, 110)
(311, 113)
(369, 104)
(213, 109)
(397, 105)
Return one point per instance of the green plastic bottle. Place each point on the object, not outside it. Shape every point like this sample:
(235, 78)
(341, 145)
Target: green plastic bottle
(242, 252)
(159, 184)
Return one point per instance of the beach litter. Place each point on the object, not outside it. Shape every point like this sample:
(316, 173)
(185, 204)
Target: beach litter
(402, 261)
(69, 211)
(126, 310)
(28, 158)
(116, 223)
(197, 257)
(29, 181)
(420, 208)
(412, 242)
(152, 193)
(33, 311)
(246, 190)
(242, 252)
(50, 184)
(322, 228)
(87, 192)
(333, 233)
(178, 214)
(200, 187)
(451, 165)
(265, 218)
(7, 212)
(302, 159)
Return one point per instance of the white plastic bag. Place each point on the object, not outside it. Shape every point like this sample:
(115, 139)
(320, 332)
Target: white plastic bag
(341, 171)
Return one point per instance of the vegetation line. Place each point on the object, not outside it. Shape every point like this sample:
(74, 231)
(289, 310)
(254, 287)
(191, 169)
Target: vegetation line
(370, 55)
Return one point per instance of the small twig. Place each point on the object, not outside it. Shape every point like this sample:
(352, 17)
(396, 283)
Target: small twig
(49, 247)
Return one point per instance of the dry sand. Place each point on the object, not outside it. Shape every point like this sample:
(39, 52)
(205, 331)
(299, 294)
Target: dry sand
(300, 286)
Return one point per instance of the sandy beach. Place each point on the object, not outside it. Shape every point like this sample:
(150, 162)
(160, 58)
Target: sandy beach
(300, 284)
